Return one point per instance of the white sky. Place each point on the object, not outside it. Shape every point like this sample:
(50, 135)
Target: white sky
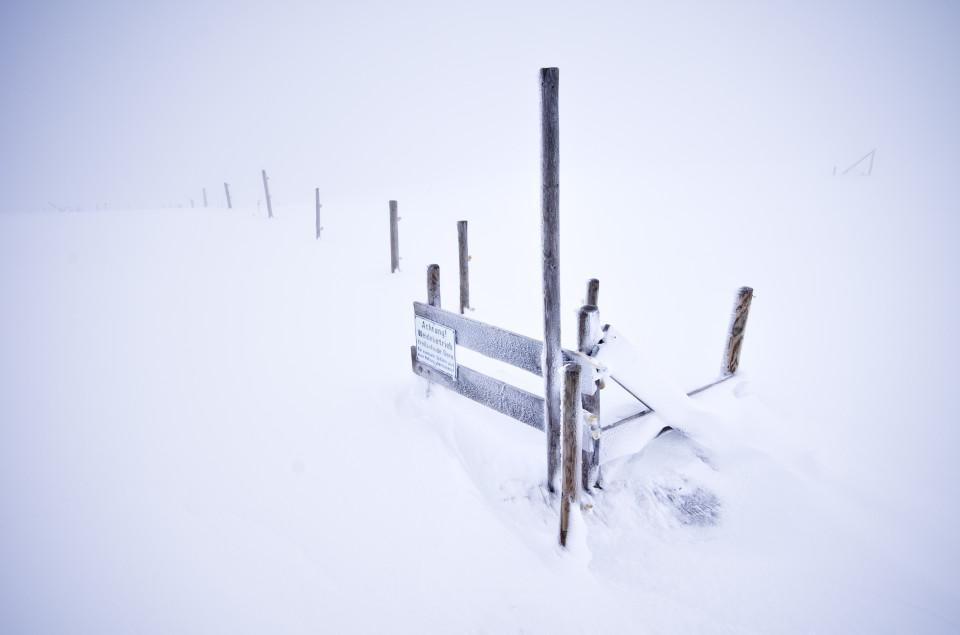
(144, 104)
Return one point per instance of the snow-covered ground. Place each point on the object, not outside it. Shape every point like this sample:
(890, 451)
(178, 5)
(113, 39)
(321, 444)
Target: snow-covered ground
(208, 419)
(209, 422)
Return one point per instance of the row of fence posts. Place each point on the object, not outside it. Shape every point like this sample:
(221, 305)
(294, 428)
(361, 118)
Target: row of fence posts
(433, 272)
(269, 199)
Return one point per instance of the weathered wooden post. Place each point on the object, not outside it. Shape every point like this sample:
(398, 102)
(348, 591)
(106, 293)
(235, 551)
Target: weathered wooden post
(226, 188)
(550, 243)
(593, 292)
(433, 285)
(204, 197)
(738, 324)
(394, 238)
(266, 193)
(464, 266)
(588, 337)
(570, 497)
(319, 228)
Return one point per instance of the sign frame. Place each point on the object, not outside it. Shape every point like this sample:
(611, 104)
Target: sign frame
(436, 346)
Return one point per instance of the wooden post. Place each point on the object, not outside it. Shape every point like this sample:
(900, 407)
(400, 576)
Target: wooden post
(588, 337)
(204, 197)
(191, 203)
(319, 228)
(394, 238)
(738, 324)
(550, 243)
(226, 188)
(266, 192)
(464, 266)
(433, 285)
(593, 292)
(571, 447)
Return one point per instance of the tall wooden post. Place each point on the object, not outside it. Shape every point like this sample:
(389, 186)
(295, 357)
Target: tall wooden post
(226, 188)
(588, 337)
(738, 324)
(394, 238)
(570, 497)
(464, 266)
(204, 197)
(433, 285)
(319, 228)
(593, 292)
(266, 193)
(550, 243)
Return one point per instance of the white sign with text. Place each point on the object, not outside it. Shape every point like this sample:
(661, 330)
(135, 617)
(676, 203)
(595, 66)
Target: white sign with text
(436, 346)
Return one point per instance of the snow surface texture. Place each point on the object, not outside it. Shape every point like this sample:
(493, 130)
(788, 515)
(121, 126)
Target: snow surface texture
(208, 422)
(210, 425)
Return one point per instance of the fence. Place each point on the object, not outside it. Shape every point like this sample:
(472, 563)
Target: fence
(434, 356)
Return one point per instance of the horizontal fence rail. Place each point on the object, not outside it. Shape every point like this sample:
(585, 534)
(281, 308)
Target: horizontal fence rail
(493, 393)
(491, 341)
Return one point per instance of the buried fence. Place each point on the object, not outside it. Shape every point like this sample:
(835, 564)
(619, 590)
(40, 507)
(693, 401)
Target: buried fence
(434, 356)
(572, 379)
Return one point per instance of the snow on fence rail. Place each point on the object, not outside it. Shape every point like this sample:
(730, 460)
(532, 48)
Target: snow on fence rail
(493, 342)
(437, 328)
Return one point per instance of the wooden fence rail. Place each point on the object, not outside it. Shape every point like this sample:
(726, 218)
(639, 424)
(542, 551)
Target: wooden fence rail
(526, 353)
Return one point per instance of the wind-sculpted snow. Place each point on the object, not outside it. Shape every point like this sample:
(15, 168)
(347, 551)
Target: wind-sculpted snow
(195, 438)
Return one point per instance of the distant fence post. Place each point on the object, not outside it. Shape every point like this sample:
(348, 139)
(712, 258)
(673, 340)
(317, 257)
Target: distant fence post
(550, 243)
(570, 496)
(464, 266)
(394, 238)
(204, 197)
(588, 337)
(593, 292)
(433, 285)
(226, 188)
(319, 228)
(266, 193)
(738, 324)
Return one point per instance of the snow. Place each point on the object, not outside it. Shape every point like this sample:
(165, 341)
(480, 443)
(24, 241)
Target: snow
(208, 419)
(210, 423)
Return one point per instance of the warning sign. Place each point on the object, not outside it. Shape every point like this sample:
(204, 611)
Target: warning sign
(436, 346)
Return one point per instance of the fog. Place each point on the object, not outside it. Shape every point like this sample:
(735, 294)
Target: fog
(704, 146)
(142, 106)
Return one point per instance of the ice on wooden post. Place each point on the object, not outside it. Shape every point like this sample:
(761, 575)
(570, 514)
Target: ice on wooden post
(266, 193)
(550, 243)
(394, 238)
(433, 285)
(464, 266)
(570, 496)
(588, 336)
(738, 324)
(226, 188)
(319, 228)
